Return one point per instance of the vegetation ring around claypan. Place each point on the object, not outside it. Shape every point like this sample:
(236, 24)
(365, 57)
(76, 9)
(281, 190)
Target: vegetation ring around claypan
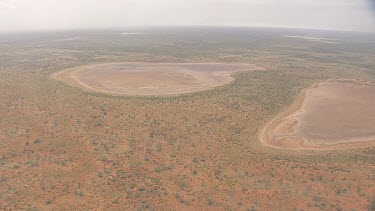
(148, 79)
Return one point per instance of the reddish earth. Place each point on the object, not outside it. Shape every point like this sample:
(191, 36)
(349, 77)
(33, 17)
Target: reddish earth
(330, 114)
(151, 79)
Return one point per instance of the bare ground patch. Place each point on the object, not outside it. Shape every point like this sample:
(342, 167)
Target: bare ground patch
(145, 79)
(329, 115)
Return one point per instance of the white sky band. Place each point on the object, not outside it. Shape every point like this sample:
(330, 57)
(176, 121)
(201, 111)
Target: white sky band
(349, 15)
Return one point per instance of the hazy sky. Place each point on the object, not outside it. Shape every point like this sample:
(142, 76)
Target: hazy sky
(353, 15)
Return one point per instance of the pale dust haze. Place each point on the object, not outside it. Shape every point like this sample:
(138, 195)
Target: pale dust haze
(349, 15)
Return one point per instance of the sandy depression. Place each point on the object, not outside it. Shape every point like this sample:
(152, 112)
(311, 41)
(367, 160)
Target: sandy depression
(146, 79)
(329, 115)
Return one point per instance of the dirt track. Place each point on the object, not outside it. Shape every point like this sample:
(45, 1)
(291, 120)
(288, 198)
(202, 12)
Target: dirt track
(328, 115)
(146, 79)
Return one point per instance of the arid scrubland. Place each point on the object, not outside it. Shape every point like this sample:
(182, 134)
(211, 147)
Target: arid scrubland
(64, 148)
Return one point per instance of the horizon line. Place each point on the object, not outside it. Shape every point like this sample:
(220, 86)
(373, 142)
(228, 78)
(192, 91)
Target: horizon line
(143, 27)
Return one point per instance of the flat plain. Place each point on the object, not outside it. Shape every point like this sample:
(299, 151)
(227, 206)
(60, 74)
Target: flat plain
(151, 79)
(332, 114)
(67, 148)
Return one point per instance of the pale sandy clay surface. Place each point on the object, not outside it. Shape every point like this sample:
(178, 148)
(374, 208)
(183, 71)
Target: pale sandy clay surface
(329, 115)
(147, 79)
